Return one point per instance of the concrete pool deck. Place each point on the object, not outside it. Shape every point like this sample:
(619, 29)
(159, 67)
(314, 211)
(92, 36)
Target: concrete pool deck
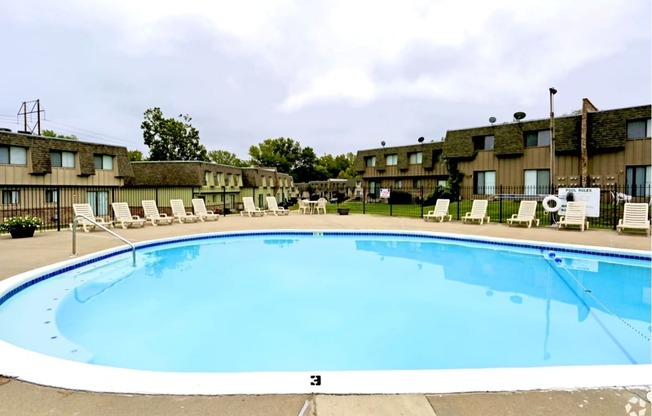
(20, 398)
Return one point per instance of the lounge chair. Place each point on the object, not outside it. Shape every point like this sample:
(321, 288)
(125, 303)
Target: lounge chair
(151, 213)
(87, 211)
(526, 214)
(635, 217)
(199, 206)
(575, 216)
(272, 206)
(250, 208)
(179, 212)
(123, 215)
(304, 206)
(440, 212)
(478, 212)
(321, 205)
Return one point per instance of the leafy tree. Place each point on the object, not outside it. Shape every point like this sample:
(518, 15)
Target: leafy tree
(135, 155)
(226, 158)
(348, 172)
(51, 133)
(340, 166)
(306, 167)
(282, 154)
(170, 139)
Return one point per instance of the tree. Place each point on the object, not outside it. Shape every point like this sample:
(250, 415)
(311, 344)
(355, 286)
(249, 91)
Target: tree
(51, 133)
(135, 155)
(282, 154)
(226, 158)
(306, 167)
(170, 139)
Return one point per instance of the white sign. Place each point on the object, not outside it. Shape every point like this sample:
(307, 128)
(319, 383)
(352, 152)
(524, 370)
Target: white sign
(590, 196)
(384, 193)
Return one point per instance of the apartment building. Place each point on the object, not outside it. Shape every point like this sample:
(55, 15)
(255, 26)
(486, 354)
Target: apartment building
(591, 149)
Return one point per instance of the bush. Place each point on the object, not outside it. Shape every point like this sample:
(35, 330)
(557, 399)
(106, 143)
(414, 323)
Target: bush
(439, 192)
(400, 198)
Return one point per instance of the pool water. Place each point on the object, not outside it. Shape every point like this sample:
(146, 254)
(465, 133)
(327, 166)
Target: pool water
(328, 301)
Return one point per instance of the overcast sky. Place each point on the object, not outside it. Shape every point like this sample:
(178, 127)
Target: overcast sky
(336, 75)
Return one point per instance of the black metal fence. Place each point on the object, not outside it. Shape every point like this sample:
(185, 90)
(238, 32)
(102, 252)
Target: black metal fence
(504, 201)
(53, 204)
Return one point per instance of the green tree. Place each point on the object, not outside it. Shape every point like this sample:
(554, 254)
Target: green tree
(306, 167)
(282, 154)
(226, 158)
(135, 155)
(347, 169)
(51, 133)
(170, 139)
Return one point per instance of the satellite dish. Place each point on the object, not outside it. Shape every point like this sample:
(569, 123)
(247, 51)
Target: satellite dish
(382, 143)
(519, 115)
(420, 139)
(492, 120)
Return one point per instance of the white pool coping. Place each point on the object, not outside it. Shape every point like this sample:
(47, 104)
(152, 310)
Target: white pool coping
(45, 370)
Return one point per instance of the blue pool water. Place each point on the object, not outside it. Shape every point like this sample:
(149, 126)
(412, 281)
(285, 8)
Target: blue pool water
(339, 301)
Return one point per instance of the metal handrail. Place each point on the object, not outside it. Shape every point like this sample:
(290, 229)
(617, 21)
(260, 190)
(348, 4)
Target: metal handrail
(74, 236)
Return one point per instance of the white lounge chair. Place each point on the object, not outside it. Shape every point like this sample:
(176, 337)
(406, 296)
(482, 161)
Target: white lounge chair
(87, 211)
(526, 214)
(440, 212)
(250, 208)
(635, 217)
(151, 213)
(199, 206)
(272, 206)
(575, 216)
(123, 215)
(179, 212)
(478, 212)
(321, 205)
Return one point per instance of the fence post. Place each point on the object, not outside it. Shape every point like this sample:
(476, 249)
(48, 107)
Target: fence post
(390, 202)
(364, 200)
(500, 205)
(58, 208)
(615, 207)
(422, 202)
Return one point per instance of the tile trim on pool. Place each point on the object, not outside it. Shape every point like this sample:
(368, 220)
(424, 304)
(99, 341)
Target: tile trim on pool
(319, 233)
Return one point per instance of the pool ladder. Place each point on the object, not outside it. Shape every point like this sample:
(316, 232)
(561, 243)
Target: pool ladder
(74, 236)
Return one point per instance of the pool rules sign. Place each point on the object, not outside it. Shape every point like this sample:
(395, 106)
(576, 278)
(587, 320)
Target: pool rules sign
(590, 196)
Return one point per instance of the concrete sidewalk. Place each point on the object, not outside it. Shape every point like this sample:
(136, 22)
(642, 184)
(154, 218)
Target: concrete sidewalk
(23, 399)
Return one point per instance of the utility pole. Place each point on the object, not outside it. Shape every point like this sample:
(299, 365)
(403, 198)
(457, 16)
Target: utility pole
(31, 107)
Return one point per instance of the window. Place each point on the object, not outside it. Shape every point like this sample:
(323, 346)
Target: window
(51, 196)
(13, 155)
(639, 129)
(416, 158)
(237, 180)
(416, 183)
(99, 201)
(62, 159)
(10, 197)
(437, 156)
(228, 179)
(484, 183)
(102, 162)
(399, 184)
(391, 160)
(638, 180)
(536, 181)
(370, 161)
(207, 177)
(442, 182)
(483, 143)
(218, 178)
(537, 138)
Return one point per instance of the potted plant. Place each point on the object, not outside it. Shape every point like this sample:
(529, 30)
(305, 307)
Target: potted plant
(21, 227)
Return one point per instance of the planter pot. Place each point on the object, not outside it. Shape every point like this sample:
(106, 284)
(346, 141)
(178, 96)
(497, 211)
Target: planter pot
(22, 232)
(343, 211)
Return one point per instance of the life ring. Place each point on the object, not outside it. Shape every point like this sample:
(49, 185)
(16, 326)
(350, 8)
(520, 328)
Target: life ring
(546, 203)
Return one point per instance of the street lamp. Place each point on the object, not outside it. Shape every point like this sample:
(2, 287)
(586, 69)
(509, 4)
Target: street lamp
(553, 91)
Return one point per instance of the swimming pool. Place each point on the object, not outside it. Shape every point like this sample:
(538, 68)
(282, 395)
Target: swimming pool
(319, 320)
